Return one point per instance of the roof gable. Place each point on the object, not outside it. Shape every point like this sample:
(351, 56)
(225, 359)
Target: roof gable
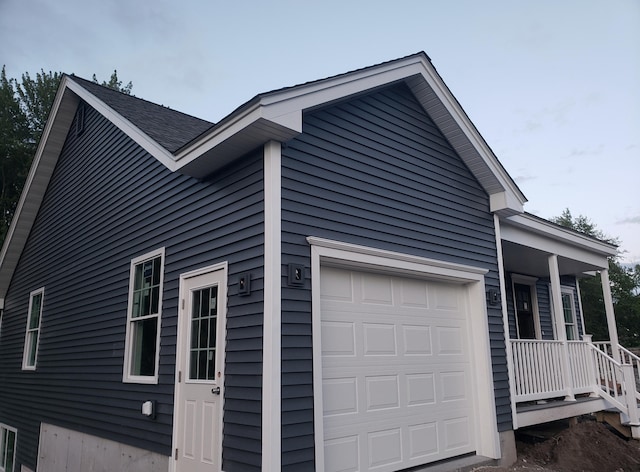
(197, 148)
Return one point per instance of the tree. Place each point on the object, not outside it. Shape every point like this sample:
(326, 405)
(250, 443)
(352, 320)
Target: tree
(625, 289)
(24, 109)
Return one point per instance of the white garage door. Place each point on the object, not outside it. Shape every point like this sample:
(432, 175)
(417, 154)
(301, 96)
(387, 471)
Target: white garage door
(396, 371)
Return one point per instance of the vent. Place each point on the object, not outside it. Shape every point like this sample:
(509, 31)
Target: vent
(80, 120)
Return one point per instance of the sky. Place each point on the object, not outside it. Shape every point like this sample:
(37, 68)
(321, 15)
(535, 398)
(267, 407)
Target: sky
(553, 86)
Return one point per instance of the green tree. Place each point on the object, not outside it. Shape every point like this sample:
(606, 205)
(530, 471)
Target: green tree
(16, 150)
(625, 289)
(25, 106)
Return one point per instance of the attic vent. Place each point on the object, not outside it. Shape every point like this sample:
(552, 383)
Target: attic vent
(80, 120)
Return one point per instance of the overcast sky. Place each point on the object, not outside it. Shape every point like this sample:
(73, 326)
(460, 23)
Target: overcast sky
(552, 85)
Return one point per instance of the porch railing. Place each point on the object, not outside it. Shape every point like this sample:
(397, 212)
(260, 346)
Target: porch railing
(627, 357)
(549, 369)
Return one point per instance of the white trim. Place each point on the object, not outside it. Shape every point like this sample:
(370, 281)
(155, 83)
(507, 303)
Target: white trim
(327, 252)
(25, 352)
(15, 442)
(584, 329)
(505, 323)
(126, 376)
(271, 343)
(572, 293)
(180, 348)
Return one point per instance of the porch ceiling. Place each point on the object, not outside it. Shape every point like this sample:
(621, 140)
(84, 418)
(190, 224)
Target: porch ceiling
(530, 261)
(528, 241)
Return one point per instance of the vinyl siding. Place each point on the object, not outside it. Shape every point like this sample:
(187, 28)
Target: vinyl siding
(375, 171)
(108, 202)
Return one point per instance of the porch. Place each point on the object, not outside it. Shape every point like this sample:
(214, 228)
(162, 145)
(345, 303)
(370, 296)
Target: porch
(555, 369)
(561, 379)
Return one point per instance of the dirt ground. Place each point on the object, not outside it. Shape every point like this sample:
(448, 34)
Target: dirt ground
(588, 446)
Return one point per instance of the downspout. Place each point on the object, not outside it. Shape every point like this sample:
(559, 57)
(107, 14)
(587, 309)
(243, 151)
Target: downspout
(505, 322)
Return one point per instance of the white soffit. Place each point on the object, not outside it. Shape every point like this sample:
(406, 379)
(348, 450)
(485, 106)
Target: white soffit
(537, 233)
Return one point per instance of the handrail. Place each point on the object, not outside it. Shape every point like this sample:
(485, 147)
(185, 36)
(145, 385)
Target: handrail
(610, 378)
(629, 357)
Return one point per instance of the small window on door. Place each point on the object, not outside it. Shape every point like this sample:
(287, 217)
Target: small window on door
(7, 448)
(568, 309)
(143, 318)
(525, 314)
(32, 335)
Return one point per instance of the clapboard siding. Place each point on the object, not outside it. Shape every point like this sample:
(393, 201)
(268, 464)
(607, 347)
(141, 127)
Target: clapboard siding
(375, 171)
(108, 202)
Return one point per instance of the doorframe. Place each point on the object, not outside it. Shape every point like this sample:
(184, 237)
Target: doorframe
(220, 351)
(533, 290)
(350, 256)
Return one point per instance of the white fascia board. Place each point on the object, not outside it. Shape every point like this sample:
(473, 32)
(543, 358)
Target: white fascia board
(558, 233)
(135, 133)
(42, 166)
(285, 108)
(514, 199)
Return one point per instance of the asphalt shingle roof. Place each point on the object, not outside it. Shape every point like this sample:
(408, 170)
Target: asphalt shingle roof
(169, 128)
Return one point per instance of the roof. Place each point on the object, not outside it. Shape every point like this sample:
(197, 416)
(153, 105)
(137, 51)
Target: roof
(170, 128)
(198, 148)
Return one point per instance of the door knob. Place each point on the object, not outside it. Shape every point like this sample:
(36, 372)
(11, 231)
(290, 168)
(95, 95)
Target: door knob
(215, 390)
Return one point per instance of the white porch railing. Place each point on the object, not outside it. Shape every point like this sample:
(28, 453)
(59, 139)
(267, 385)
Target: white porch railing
(540, 371)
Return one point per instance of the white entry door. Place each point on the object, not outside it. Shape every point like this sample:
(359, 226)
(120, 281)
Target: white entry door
(201, 375)
(396, 371)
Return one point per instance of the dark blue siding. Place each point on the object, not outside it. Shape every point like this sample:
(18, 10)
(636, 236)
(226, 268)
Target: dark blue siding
(375, 171)
(108, 202)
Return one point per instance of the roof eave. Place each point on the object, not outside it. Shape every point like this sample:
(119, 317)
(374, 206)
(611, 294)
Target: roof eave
(44, 161)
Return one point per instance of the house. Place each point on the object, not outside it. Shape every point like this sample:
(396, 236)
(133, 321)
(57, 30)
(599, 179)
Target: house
(337, 276)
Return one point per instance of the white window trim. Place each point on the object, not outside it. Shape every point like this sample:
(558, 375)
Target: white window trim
(25, 351)
(126, 376)
(571, 292)
(15, 445)
(531, 282)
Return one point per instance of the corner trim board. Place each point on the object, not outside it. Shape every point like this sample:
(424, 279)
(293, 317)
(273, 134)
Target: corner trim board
(272, 329)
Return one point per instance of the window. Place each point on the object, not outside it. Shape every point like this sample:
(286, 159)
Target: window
(7, 448)
(569, 316)
(32, 336)
(143, 318)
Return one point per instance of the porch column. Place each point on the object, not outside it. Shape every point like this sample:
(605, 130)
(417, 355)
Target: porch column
(611, 317)
(558, 317)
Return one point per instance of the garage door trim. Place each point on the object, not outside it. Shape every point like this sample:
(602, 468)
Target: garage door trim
(335, 253)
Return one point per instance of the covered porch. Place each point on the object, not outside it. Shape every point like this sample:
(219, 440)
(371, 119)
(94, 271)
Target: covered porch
(555, 369)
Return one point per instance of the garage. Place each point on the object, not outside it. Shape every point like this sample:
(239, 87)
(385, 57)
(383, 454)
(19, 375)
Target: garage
(397, 379)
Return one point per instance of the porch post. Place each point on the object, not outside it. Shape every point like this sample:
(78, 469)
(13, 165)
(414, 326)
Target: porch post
(558, 316)
(611, 317)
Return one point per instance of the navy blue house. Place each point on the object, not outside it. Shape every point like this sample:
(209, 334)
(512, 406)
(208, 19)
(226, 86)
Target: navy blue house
(337, 276)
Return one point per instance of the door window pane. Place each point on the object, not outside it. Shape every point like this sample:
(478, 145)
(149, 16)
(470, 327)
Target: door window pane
(202, 346)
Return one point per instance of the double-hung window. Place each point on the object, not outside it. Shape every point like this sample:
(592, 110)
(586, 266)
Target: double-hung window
(569, 314)
(143, 318)
(7, 448)
(32, 336)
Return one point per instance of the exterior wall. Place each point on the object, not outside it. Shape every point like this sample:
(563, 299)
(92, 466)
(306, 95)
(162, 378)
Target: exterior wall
(543, 293)
(108, 202)
(375, 171)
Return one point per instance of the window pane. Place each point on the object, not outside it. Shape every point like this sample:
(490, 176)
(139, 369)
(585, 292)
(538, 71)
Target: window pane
(34, 318)
(143, 358)
(3, 447)
(193, 365)
(211, 365)
(11, 443)
(567, 308)
(202, 365)
(570, 333)
(204, 333)
(32, 344)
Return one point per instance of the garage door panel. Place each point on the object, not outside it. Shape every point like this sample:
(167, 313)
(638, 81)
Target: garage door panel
(396, 371)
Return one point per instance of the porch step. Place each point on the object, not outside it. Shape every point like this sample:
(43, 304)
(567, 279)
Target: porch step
(612, 418)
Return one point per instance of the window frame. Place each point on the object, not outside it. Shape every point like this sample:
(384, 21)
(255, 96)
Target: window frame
(127, 376)
(27, 343)
(574, 326)
(14, 431)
